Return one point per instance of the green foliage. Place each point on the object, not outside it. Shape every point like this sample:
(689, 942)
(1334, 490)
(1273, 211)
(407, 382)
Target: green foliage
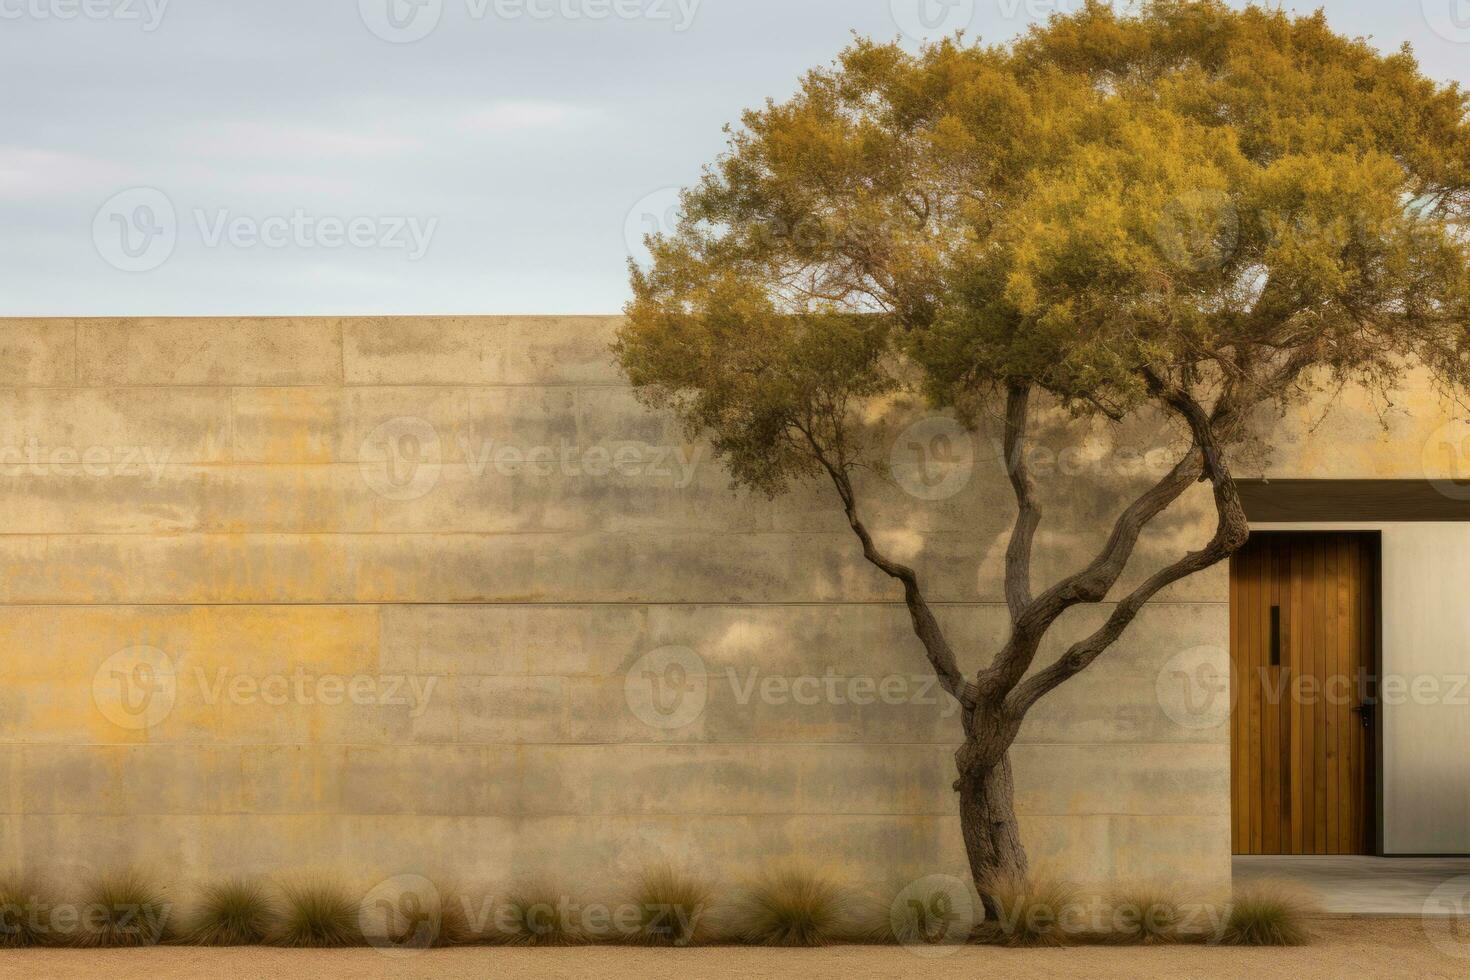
(672, 907)
(791, 907)
(123, 909)
(1267, 915)
(1231, 201)
(25, 913)
(237, 912)
(317, 915)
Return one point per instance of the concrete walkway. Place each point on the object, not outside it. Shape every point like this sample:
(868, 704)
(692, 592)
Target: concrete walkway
(1370, 885)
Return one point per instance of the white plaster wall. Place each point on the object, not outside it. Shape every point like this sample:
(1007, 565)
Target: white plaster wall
(1426, 709)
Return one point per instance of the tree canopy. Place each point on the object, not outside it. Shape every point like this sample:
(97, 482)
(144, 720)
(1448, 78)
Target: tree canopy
(1189, 210)
(1215, 198)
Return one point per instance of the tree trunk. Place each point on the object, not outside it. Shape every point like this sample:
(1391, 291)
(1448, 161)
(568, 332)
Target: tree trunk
(988, 823)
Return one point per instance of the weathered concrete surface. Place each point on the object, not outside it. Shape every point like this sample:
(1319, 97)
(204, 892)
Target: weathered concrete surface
(1353, 885)
(400, 595)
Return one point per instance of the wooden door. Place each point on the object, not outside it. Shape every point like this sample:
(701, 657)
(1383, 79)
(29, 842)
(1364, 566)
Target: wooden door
(1303, 642)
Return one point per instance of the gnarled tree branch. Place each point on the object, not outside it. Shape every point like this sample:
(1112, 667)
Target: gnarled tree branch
(926, 626)
(1232, 530)
(1028, 511)
(1092, 584)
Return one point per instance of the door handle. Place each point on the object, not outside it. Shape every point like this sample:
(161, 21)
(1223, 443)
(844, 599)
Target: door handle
(1366, 712)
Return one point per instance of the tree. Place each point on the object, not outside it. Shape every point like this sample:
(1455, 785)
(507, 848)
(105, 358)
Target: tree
(1186, 214)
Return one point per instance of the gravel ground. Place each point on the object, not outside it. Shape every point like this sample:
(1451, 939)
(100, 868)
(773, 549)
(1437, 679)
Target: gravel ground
(1369, 948)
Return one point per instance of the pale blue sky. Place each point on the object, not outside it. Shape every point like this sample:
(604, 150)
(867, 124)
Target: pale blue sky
(317, 160)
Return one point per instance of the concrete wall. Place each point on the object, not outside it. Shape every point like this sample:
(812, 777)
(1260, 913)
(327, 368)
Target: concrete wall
(277, 594)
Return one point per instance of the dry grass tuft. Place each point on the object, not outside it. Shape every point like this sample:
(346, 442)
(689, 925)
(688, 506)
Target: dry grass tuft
(123, 909)
(25, 913)
(1033, 911)
(534, 915)
(1268, 914)
(1146, 915)
(926, 913)
(233, 913)
(791, 907)
(454, 928)
(317, 915)
(672, 908)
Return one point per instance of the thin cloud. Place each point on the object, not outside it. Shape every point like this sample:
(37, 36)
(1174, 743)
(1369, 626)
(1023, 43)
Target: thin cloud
(517, 116)
(30, 172)
(257, 140)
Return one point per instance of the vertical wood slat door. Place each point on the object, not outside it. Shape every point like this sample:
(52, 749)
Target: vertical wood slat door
(1302, 641)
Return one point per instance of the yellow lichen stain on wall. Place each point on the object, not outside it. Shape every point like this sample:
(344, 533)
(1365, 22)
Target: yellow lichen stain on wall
(291, 425)
(1413, 433)
(240, 674)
